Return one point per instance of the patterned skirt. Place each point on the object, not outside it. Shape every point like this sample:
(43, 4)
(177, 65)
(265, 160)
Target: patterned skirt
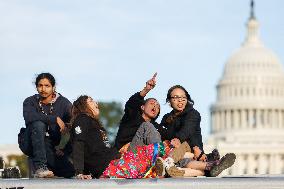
(138, 163)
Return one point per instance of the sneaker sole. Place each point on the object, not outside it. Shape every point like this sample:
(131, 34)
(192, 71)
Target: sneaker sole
(175, 172)
(44, 176)
(228, 162)
(160, 169)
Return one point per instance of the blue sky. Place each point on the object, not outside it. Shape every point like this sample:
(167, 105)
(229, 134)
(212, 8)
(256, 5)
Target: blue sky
(108, 48)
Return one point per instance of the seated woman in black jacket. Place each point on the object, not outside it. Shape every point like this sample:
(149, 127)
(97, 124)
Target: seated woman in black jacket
(183, 124)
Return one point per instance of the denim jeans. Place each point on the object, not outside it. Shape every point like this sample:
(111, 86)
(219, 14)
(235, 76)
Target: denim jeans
(44, 151)
(39, 144)
(145, 135)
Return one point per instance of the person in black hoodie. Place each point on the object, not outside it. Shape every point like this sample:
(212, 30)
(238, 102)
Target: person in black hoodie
(139, 116)
(92, 151)
(45, 115)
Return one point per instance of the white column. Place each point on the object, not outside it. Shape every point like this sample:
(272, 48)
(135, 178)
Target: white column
(280, 119)
(261, 117)
(273, 122)
(237, 119)
(220, 120)
(251, 164)
(258, 119)
(212, 122)
(241, 164)
(265, 118)
(243, 119)
(262, 164)
(271, 164)
(276, 118)
(228, 119)
(277, 160)
(281, 164)
(215, 121)
(218, 124)
(282, 115)
(222, 115)
(251, 119)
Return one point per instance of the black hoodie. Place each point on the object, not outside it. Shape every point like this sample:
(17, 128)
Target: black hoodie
(131, 120)
(91, 149)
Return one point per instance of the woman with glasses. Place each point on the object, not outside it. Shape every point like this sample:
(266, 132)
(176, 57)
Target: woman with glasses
(183, 124)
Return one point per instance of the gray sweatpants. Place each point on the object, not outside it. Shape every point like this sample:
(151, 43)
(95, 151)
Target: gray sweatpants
(145, 135)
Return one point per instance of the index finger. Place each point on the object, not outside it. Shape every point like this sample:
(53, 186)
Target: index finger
(155, 74)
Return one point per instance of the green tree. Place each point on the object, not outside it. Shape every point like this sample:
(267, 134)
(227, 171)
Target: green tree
(110, 115)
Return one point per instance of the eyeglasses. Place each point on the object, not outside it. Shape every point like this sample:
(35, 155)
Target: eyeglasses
(182, 98)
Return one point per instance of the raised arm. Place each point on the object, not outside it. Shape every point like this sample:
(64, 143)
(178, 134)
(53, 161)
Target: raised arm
(134, 103)
(150, 84)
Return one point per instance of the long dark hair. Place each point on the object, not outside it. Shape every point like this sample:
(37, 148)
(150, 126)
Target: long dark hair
(80, 106)
(48, 76)
(182, 88)
(173, 116)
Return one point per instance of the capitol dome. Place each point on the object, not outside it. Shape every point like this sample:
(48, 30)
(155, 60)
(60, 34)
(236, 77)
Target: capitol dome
(253, 71)
(248, 115)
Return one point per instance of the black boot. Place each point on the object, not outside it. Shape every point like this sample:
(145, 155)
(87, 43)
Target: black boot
(213, 156)
(224, 163)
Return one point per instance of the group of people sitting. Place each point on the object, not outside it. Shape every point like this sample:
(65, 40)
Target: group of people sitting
(143, 148)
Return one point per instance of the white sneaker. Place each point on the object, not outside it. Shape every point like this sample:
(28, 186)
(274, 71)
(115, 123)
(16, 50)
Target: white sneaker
(169, 162)
(43, 172)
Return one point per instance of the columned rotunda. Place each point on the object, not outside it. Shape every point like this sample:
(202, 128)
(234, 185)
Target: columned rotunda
(248, 115)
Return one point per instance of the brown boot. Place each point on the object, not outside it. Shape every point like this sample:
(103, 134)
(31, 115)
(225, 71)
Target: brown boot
(178, 153)
(160, 167)
(167, 166)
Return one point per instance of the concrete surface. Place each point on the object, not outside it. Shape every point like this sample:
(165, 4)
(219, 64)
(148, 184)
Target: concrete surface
(257, 182)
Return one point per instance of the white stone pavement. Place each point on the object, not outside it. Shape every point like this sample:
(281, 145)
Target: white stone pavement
(259, 182)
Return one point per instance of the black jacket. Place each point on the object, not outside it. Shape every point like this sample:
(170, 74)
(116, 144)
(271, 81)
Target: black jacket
(185, 127)
(61, 108)
(131, 120)
(91, 149)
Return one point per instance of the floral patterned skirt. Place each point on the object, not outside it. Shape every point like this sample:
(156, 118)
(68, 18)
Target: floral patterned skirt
(138, 163)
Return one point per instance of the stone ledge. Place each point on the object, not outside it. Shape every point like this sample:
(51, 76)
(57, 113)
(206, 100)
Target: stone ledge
(264, 182)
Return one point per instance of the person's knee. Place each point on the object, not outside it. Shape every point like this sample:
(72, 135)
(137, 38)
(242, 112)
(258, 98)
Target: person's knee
(147, 126)
(38, 126)
(150, 134)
